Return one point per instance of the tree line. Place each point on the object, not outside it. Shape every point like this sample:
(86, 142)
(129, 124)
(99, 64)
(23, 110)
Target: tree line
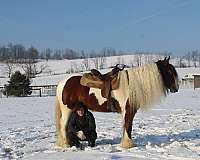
(20, 54)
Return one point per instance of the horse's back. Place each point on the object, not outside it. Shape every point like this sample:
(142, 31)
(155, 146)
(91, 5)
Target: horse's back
(70, 90)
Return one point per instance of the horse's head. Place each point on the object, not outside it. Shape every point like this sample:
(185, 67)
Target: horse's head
(169, 74)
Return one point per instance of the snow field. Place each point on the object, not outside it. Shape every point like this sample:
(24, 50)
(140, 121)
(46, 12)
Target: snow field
(170, 130)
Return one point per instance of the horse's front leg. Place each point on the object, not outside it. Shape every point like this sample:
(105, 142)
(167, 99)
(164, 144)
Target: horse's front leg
(128, 115)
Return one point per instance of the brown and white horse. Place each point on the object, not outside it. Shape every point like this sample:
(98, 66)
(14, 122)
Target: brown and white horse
(138, 87)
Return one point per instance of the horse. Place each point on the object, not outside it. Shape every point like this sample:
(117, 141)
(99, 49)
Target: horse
(139, 87)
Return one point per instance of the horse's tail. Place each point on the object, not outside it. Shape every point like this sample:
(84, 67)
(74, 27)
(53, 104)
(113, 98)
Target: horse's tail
(58, 115)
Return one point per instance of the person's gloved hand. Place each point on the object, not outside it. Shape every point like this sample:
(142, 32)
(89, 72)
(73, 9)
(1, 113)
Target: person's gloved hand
(81, 135)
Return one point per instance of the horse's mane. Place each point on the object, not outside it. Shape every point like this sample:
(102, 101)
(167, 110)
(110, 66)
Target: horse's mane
(145, 85)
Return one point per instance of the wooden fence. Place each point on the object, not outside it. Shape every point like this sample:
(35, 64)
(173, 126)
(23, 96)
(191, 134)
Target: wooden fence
(44, 90)
(41, 90)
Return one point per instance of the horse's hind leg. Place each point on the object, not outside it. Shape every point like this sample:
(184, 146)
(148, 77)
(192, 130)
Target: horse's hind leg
(128, 116)
(58, 115)
(63, 122)
(62, 116)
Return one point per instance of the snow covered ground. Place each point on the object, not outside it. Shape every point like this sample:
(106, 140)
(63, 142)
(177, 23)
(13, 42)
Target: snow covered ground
(170, 130)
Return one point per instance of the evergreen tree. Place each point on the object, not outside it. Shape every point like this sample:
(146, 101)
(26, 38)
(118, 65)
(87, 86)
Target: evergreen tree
(19, 85)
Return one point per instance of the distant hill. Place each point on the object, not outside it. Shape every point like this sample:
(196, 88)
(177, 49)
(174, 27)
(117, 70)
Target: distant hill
(55, 70)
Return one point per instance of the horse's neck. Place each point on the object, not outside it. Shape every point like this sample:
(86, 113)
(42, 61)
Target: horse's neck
(145, 85)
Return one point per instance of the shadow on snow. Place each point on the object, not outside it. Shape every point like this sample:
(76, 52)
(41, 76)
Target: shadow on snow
(143, 140)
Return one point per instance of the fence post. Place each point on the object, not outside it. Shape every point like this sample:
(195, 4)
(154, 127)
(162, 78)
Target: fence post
(40, 93)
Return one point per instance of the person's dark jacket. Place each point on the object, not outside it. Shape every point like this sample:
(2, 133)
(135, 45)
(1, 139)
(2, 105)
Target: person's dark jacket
(85, 123)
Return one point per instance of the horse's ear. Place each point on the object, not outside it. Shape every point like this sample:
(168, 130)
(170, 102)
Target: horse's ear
(168, 59)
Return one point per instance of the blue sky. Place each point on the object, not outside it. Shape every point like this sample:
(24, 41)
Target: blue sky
(128, 25)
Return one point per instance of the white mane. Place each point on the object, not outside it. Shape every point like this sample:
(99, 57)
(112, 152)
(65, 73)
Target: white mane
(145, 85)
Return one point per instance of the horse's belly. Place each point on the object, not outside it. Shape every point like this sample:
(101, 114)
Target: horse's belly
(97, 93)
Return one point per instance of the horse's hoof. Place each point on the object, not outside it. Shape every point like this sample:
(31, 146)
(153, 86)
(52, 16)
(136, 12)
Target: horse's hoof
(62, 146)
(134, 145)
(56, 147)
(128, 145)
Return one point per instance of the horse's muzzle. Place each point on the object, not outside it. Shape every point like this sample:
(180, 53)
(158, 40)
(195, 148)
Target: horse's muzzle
(174, 89)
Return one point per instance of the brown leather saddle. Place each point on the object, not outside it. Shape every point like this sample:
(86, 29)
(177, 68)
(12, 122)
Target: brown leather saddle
(105, 82)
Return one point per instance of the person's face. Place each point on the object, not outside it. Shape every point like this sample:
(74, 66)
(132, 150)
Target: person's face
(80, 112)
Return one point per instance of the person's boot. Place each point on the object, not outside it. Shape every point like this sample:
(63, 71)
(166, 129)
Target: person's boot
(77, 144)
(91, 143)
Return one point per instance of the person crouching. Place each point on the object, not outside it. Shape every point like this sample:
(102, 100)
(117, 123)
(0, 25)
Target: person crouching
(81, 126)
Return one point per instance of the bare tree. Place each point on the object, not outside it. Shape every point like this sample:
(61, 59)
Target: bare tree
(57, 54)
(188, 58)
(199, 58)
(138, 59)
(84, 55)
(9, 67)
(194, 57)
(47, 53)
(70, 54)
(99, 62)
(108, 52)
(74, 67)
(31, 69)
(32, 54)
(181, 64)
(120, 60)
(92, 54)
(85, 64)
(96, 62)
(102, 62)
(132, 63)
(148, 58)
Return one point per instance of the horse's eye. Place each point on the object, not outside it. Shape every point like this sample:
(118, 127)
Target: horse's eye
(170, 72)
